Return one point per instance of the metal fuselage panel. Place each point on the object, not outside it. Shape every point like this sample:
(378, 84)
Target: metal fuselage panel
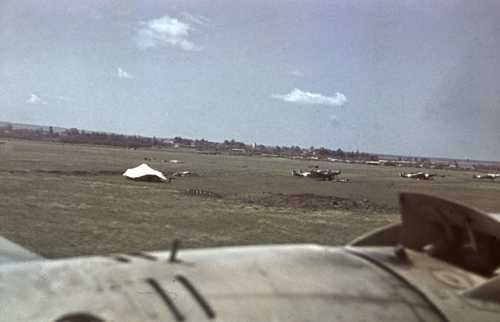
(10, 253)
(441, 283)
(276, 283)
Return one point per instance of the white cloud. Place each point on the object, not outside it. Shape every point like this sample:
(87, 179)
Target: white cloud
(297, 73)
(123, 73)
(166, 31)
(35, 100)
(301, 97)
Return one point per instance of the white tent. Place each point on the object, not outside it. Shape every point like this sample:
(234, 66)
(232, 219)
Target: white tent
(144, 172)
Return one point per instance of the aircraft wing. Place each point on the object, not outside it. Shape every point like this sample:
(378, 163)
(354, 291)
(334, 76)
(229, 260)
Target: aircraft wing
(12, 253)
(287, 283)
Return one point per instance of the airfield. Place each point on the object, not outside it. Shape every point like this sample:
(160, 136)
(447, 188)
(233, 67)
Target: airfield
(66, 200)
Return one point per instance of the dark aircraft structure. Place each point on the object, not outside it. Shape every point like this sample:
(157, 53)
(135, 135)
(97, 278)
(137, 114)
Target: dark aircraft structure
(418, 175)
(319, 174)
(487, 176)
(438, 264)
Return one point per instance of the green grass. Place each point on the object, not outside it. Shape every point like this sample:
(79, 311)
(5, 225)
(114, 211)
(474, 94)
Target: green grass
(49, 209)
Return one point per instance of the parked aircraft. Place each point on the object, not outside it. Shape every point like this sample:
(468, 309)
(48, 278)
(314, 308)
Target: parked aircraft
(315, 173)
(418, 175)
(489, 176)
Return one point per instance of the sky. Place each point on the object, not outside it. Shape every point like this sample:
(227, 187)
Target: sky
(396, 77)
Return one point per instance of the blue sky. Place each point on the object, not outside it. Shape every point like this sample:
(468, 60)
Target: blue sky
(403, 77)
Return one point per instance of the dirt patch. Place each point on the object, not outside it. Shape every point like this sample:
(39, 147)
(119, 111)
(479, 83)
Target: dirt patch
(66, 173)
(314, 202)
(81, 172)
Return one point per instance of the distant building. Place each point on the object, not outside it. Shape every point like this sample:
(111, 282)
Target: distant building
(168, 142)
(373, 162)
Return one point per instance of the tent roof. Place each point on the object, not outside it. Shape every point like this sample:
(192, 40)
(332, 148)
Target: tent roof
(142, 171)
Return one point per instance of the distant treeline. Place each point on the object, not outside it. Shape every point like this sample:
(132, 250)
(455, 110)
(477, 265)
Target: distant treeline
(77, 136)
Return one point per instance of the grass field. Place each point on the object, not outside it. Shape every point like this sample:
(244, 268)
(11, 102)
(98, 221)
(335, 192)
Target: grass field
(65, 200)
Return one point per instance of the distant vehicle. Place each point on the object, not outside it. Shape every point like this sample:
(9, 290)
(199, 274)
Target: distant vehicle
(319, 174)
(438, 264)
(419, 175)
(175, 161)
(489, 176)
(183, 173)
